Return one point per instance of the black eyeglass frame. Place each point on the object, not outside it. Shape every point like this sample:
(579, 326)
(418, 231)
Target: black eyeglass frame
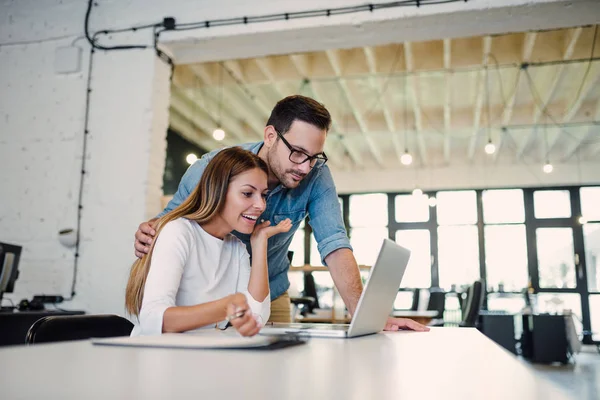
(317, 157)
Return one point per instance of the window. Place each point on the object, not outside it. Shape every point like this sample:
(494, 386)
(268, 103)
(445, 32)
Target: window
(457, 208)
(503, 206)
(411, 208)
(591, 239)
(590, 199)
(418, 271)
(552, 204)
(556, 260)
(368, 210)
(458, 257)
(595, 315)
(506, 257)
(368, 225)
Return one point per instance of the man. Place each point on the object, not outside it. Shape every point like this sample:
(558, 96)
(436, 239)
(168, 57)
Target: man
(300, 185)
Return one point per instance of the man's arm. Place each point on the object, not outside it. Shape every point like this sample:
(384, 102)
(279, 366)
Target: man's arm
(346, 276)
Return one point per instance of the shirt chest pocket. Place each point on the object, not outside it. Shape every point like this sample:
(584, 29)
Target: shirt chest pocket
(296, 217)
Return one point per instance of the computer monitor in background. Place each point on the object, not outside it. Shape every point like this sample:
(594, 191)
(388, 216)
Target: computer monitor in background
(9, 267)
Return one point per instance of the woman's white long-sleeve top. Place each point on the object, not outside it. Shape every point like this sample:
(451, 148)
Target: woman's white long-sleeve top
(190, 267)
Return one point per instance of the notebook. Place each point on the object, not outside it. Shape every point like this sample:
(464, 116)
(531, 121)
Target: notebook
(374, 305)
(212, 340)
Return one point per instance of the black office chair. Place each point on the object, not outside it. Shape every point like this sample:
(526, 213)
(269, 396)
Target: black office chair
(473, 304)
(437, 302)
(415, 300)
(77, 327)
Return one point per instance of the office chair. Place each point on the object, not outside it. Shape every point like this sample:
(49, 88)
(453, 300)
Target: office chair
(415, 300)
(437, 302)
(473, 304)
(77, 327)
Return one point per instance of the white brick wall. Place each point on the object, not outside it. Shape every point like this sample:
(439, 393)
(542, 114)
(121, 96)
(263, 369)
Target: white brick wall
(42, 123)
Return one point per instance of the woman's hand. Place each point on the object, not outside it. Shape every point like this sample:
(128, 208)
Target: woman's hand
(264, 230)
(240, 315)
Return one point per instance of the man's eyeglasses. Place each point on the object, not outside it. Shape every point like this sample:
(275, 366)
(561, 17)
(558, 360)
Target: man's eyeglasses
(300, 157)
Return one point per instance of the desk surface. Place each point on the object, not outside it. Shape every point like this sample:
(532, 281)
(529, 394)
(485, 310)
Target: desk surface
(449, 363)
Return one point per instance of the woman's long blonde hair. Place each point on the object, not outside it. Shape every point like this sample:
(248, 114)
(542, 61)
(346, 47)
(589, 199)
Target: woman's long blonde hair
(202, 205)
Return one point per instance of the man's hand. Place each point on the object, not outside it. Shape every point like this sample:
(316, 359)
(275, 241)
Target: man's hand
(396, 324)
(143, 237)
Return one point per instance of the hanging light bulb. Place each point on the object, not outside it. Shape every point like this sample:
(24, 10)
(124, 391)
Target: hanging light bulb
(548, 168)
(417, 192)
(583, 220)
(490, 148)
(406, 158)
(432, 201)
(191, 158)
(219, 134)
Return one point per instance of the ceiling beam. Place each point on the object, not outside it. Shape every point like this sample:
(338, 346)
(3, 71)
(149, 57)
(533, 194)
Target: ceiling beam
(233, 101)
(447, 98)
(371, 59)
(189, 109)
(528, 45)
(189, 131)
(335, 63)
(234, 69)
(539, 109)
(482, 77)
(591, 132)
(301, 64)
(412, 80)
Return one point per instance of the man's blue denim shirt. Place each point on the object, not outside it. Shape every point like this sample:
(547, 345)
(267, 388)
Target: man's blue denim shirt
(315, 196)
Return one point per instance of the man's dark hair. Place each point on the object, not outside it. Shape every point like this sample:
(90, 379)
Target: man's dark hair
(301, 108)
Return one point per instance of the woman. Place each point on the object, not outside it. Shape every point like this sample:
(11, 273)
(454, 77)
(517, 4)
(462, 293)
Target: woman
(197, 274)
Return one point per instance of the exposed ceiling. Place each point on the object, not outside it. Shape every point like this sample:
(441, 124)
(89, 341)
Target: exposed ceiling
(440, 100)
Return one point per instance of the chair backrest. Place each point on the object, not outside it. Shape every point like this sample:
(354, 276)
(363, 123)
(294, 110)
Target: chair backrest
(310, 288)
(415, 300)
(437, 302)
(77, 327)
(473, 304)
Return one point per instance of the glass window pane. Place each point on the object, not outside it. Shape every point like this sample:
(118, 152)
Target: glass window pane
(456, 208)
(366, 243)
(403, 300)
(458, 257)
(324, 284)
(552, 204)
(591, 240)
(556, 260)
(368, 210)
(411, 208)
(595, 315)
(513, 303)
(503, 206)
(558, 302)
(590, 199)
(506, 257)
(418, 271)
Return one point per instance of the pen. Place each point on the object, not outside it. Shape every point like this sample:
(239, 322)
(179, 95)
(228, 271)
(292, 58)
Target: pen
(238, 314)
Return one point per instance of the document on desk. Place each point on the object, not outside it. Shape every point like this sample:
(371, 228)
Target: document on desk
(214, 340)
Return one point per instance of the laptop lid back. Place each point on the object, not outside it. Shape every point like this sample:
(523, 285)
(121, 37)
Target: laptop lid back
(379, 293)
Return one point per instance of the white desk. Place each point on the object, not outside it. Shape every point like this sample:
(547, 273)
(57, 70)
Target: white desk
(446, 363)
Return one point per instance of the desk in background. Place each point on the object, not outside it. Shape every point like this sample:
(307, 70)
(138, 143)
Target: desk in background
(15, 324)
(445, 363)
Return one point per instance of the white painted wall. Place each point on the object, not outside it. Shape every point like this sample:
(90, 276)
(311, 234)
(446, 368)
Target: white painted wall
(42, 113)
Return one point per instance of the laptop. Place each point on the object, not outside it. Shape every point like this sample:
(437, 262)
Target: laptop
(374, 305)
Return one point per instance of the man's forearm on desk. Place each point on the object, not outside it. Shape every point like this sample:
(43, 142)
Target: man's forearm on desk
(346, 276)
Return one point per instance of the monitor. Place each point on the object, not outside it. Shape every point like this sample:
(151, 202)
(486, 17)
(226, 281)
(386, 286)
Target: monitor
(9, 267)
